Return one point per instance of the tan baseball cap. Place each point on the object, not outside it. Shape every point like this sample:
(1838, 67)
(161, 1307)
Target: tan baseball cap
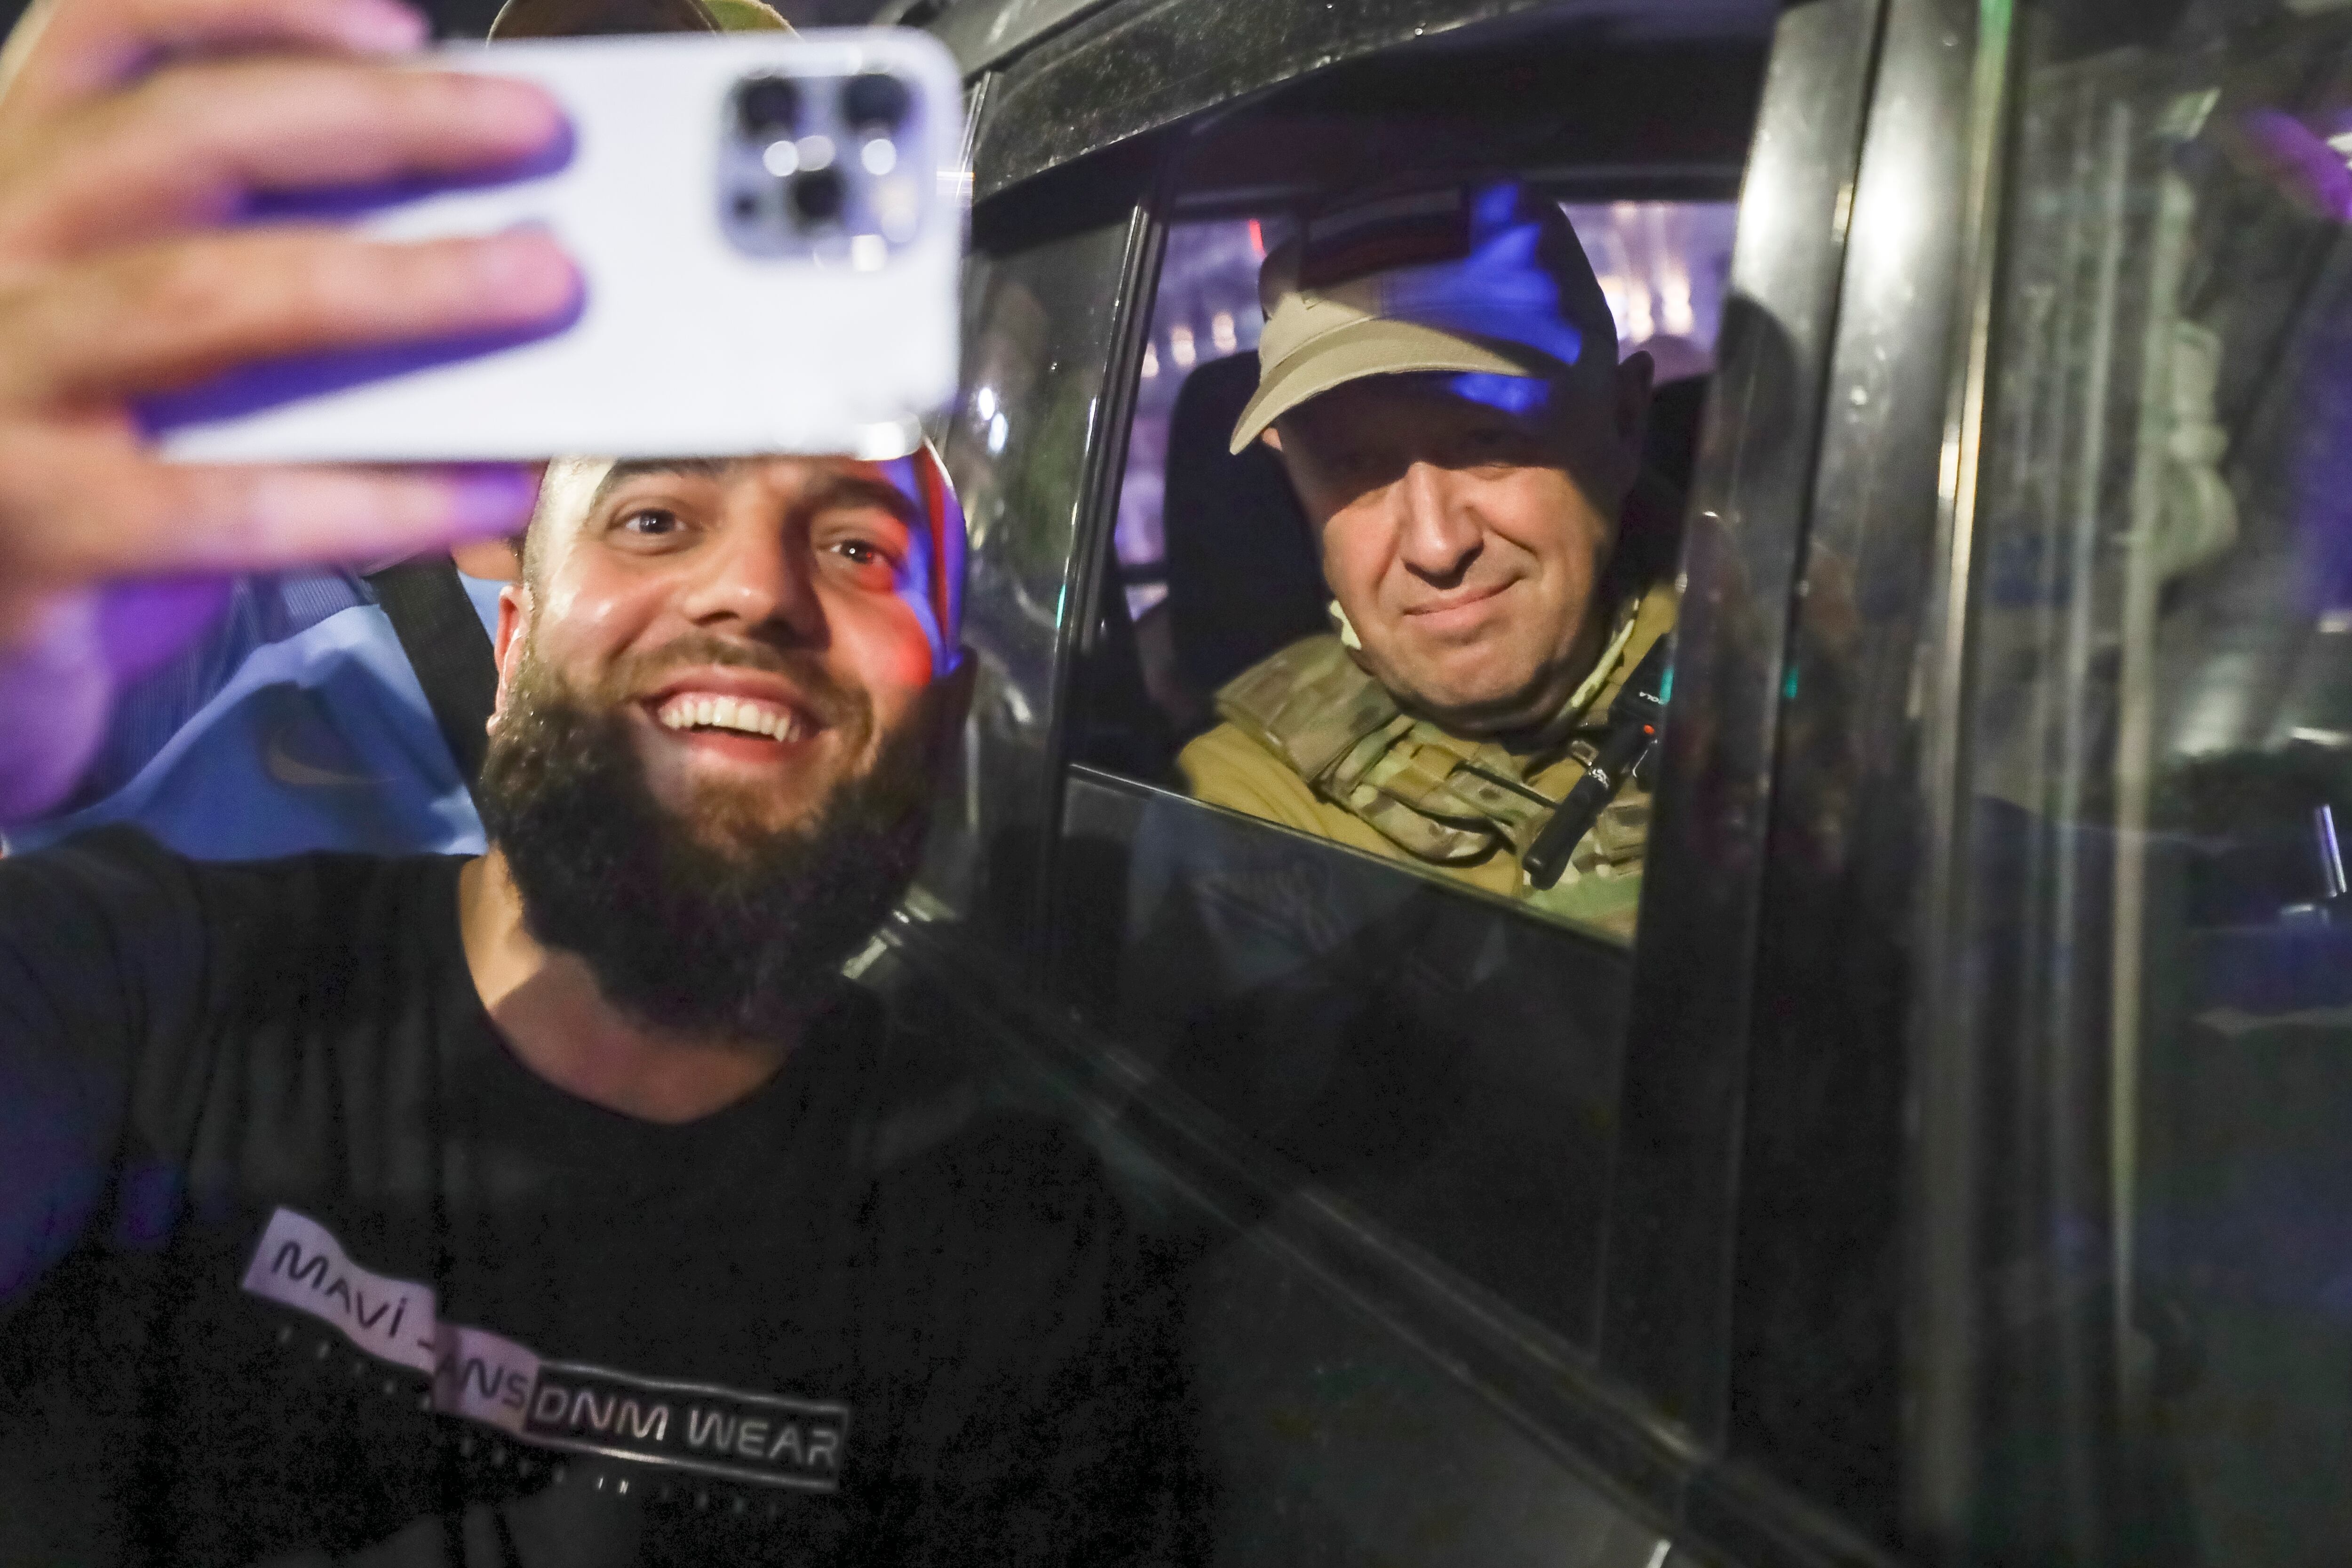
(594, 18)
(1478, 280)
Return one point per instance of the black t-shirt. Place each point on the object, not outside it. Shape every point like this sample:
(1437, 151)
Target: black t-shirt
(299, 1263)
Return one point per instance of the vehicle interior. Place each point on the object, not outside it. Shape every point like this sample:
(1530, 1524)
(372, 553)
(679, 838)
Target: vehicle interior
(1305, 994)
(1370, 1106)
(1213, 567)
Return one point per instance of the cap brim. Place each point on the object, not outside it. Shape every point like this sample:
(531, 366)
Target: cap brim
(1377, 346)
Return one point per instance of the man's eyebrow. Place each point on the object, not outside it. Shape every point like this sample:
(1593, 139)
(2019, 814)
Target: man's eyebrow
(835, 489)
(621, 473)
(860, 489)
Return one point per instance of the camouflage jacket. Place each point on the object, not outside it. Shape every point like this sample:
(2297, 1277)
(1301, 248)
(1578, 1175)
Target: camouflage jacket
(1312, 742)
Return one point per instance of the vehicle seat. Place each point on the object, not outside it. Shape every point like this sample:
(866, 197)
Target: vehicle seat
(1244, 577)
(1671, 448)
(1650, 543)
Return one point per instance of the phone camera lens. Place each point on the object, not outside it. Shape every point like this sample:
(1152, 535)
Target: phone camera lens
(876, 101)
(818, 196)
(769, 108)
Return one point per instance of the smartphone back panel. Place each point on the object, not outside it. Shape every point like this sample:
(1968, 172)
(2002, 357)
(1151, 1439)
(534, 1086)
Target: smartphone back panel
(769, 230)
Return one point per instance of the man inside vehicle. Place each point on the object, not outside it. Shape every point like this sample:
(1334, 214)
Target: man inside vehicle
(1439, 374)
(559, 1205)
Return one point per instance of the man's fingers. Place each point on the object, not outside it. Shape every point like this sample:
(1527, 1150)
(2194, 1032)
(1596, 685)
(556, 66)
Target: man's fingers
(65, 50)
(230, 518)
(187, 146)
(164, 317)
(84, 507)
(2280, 148)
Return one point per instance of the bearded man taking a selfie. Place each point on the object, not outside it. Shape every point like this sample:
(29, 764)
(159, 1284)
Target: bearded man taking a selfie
(555, 1196)
(560, 1205)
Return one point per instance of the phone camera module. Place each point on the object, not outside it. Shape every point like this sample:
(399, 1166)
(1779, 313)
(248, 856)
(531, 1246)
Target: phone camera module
(818, 197)
(826, 168)
(874, 101)
(768, 108)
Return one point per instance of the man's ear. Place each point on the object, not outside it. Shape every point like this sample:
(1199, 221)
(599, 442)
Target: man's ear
(1271, 437)
(514, 619)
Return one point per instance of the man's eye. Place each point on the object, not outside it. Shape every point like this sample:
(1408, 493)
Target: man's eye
(1494, 443)
(860, 553)
(651, 522)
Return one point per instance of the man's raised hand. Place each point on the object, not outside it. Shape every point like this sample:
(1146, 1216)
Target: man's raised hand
(135, 136)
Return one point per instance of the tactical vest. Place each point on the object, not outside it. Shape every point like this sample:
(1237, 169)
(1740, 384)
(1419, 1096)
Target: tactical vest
(1442, 798)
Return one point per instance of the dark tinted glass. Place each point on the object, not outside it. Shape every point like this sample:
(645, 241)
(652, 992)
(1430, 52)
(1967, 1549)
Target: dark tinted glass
(2156, 916)
(1438, 1064)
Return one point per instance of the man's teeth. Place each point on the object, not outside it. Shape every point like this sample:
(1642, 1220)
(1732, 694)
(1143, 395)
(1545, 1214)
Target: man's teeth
(737, 713)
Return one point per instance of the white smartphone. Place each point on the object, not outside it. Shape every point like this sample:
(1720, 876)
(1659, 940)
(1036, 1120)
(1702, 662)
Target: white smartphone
(770, 230)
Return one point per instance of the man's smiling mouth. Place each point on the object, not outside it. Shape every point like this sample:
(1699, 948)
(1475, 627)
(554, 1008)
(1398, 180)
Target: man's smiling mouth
(1464, 600)
(702, 711)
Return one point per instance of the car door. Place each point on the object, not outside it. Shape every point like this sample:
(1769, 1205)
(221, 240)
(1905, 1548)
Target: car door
(1499, 1235)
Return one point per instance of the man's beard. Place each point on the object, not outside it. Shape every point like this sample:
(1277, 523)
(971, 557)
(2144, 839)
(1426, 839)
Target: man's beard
(708, 924)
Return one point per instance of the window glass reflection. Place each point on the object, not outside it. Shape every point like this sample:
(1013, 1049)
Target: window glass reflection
(2162, 767)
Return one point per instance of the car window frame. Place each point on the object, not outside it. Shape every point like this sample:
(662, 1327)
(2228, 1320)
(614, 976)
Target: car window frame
(1666, 1339)
(1666, 1326)
(987, 863)
(1830, 1068)
(1677, 1153)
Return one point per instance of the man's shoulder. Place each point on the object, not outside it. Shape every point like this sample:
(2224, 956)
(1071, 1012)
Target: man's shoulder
(125, 852)
(1284, 720)
(1266, 683)
(122, 877)
(103, 858)
(1306, 703)
(1227, 766)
